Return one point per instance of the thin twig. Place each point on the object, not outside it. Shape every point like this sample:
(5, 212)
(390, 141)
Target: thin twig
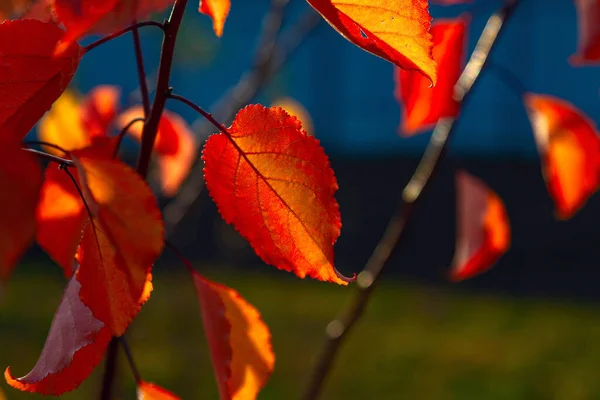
(115, 35)
(134, 369)
(139, 58)
(50, 157)
(47, 144)
(110, 370)
(123, 132)
(338, 329)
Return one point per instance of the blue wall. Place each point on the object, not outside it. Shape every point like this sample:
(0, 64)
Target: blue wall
(349, 93)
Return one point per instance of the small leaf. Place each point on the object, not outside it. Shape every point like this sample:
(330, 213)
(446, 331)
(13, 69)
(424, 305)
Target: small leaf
(588, 22)
(217, 10)
(175, 146)
(397, 31)
(99, 108)
(483, 231)
(75, 345)
(20, 178)
(121, 242)
(423, 106)
(569, 148)
(150, 391)
(31, 79)
(274, 184)
(239, 340)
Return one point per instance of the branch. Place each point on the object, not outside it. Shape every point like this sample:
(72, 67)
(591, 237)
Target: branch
(338, 329)
(134, 369)
(139, 58)
(50, 157)
(123, 31)
(110, 370)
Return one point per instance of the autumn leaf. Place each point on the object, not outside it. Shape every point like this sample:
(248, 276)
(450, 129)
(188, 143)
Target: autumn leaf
(13, 8)
(569, 148)
(239, 340)
(397, 31)
(296, 109)
(82, 17)
(483, 231)
(120, 243)
(422, 105)
(175, 146)
(99, 109)
(588, 22)
(274, 184)
(217, 10)
(75, 345)
(20, 178)
(31, 79)
(150, 391)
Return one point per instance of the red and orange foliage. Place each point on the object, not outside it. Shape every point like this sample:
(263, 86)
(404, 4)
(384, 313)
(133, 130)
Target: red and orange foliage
(588, 48)
(423, 105)
(218, 11)
(569, 149)
(239, 340)
(274, 184)
(374, 26)
(483, 230)
(150, 391)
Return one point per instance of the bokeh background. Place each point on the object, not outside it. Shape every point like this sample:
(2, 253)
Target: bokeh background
(527, 329)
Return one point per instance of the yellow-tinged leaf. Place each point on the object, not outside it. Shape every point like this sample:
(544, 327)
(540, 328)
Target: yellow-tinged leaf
(218, 11)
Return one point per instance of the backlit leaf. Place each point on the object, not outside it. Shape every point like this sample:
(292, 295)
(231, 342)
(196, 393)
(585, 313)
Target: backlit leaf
(175, 146)
(483, 231)
(82, 17)
(150, 391)
(274, 184)
(121, 242)
(397, 31)
(569, 149)
(60, 217)
(239, 340)
(423, 105)
(31, 79)
(13, 8)
(217, 10)
(99, 108)
(20, 178)
(75, 345)
(588, 22)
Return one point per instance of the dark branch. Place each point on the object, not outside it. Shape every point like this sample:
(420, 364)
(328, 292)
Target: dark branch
(134, 369)
(115, 35)
(123, 133)
(139, 58)
(50, 157)
(338, 329)
(110, 370)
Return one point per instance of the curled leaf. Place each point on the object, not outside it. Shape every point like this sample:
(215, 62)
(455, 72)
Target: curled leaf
(483, 231)
(423, 105)
(397, 31)
(217, 10)
(274, 184)
(75, 345)
(150, 391)
(569, 148)
(239, 340)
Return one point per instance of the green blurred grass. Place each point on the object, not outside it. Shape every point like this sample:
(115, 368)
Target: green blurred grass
(414, 342)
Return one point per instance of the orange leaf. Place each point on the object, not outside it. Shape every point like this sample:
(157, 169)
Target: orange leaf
(20, 178)
(122, 241)
(99, 108)
(483, 231)
(588, 47)
(82, 17)
(423, 105)
(60, 217)
(397, 31)
(30, 78)
(75, 345)
(175, 145)
(150, 391)
(239, 340)
(274, 184)
(569, 149)
(217, 10)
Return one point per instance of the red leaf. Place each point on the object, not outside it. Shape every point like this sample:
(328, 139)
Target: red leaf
(397, 31)
(99, 108)
(588, 47)
(82, 17)
(31, 79)
(423, 105)
(239, 340)
(122, 241)
(218, 11)
(483, 231)
(75, 345)
(274, 184)
(175, 146)
(20, 178)
(60, 217)
(569, 148)
(150, 391)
